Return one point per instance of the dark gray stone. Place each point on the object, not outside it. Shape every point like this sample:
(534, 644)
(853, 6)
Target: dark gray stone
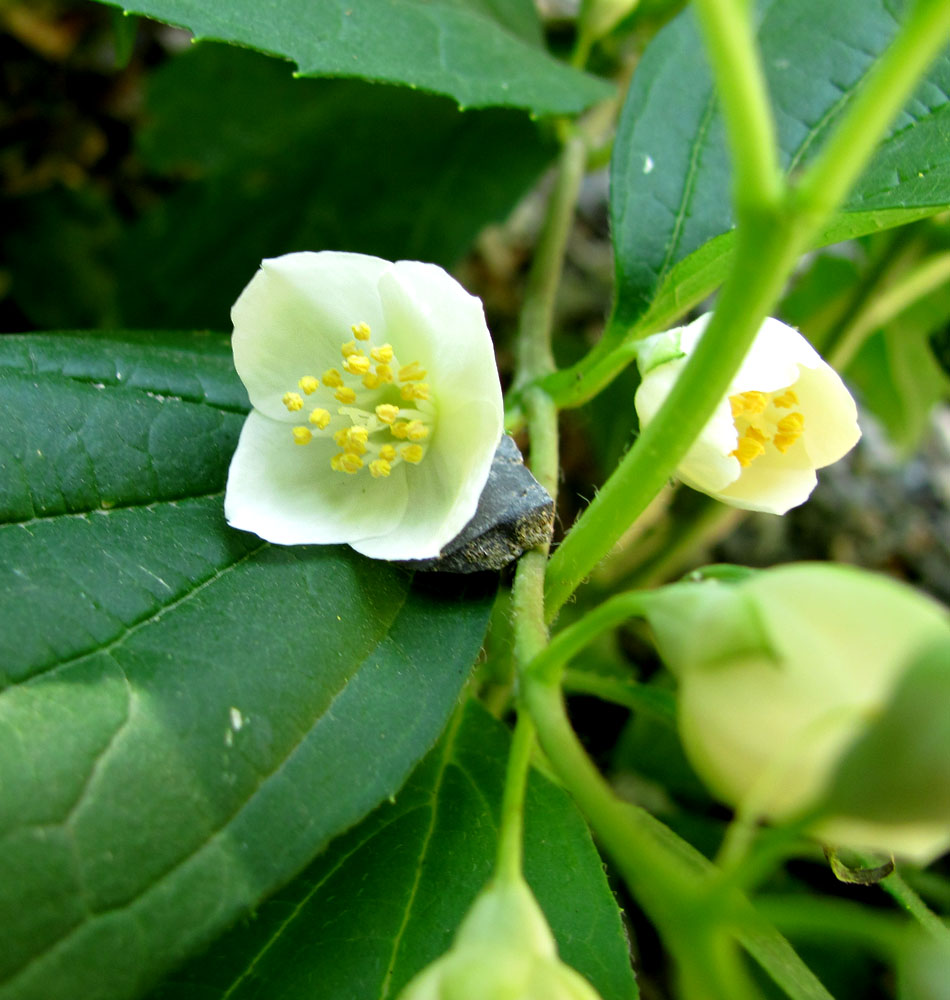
(514, 514)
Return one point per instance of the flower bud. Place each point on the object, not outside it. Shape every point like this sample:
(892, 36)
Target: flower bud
(818, 689)
(503, 950)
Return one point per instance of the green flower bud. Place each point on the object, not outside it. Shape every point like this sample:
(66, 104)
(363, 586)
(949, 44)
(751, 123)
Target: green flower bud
(503, 950)
(817, 689)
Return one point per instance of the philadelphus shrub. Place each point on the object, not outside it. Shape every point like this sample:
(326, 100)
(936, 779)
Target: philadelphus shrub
(785, 675)
(376, 404)
(503, 950)
(786, 413)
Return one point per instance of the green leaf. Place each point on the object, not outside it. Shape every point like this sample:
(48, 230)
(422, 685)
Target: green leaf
(188, 714)
(289, 164)
(386, 898)
(670, 175)
(480, 52)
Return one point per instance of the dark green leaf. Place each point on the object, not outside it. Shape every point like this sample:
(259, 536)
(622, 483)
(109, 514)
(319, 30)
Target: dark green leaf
(480, 52)
(188, 714)
(292, 165)
(671, 174)
(385, 899)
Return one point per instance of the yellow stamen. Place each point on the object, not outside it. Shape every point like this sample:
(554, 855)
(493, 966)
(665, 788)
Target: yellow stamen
(384, 373)
(387, 453)
(790, 429)
(345, 394)
(332, 378)
(756, 435)
(379, 467)
(751, 403)
(786, 400)
(387, 412)
(348, 461)
(371, 380)
(352, 439)
(349, 349)
(400, 429)
(356, 364)
(320, 418)
(748, 450)
(301, 435)
(293, 401)
(412, 453)
(361, 331)
(383, 354)
(415, 390)
(417, 431)
(308, 384)
(411, 372)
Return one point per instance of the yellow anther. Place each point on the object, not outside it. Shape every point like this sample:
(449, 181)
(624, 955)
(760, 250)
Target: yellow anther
(301, 435)
(387, 412)
(411, 373)
(384, 373)
(351, 462)
(412, 453)
(293, 401)
(794, 423)
(361, 331)
(308, 384)
(748, 450)
(400, 429)
(352, 439)
(379, 467)
(349, 349)
(756, 435)
(357, 364)
(358, 436)
(383, 354)
(417, 431)
(320, 418)
(748, 403)
(415, 390)
(336, 463)
(332, 378)
(345, 394)
(387, 453)
(371, 380)
(789, 431)
(786, 400)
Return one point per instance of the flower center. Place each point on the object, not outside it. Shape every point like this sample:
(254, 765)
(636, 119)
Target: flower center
(759, 421)
(381, 414)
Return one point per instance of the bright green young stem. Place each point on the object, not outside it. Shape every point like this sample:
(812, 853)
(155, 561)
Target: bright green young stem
(770, 237)
(766, 252)
(732, 50)
(510, 856)
(928, 276)
(906, 897)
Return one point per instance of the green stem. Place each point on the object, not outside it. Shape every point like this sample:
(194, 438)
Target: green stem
(841, 160)
(769, 240)
(907, 898)
(767, 250)
(637, 697)
(508, 863)
(930, 275)
(666, 883)
(740, 82)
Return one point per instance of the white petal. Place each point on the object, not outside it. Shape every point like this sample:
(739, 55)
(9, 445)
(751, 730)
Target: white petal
(287, 493)
(831, 417)
(769, 487)
(708, 465)
(443, 489)
(295, 314)
(428, 310)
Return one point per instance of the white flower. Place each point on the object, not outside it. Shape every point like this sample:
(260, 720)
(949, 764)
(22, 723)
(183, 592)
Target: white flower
(786, 413)
(503, 950)
(376, 405)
